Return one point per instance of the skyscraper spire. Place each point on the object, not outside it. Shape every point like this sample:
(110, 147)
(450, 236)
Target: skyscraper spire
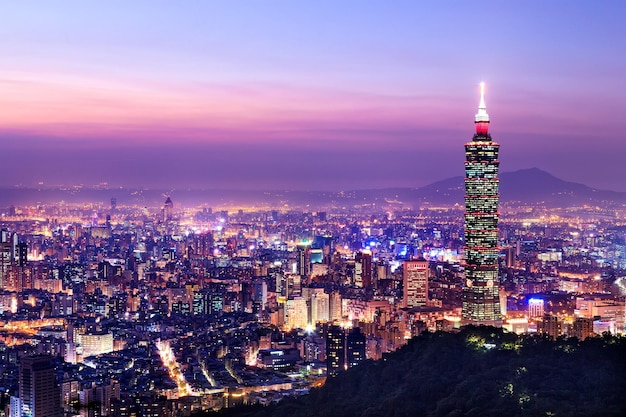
(482, 118)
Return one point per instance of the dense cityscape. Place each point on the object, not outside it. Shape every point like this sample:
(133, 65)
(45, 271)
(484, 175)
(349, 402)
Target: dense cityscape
(123, 310)
(279, 209)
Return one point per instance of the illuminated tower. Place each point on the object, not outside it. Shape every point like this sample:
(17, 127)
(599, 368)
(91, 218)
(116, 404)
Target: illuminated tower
(415, 283)
(303, 260)
(363, 269)
(481, 304)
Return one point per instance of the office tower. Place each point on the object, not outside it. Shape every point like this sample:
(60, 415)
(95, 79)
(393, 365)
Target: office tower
(415, 283)
(39, 394)
(303, 260)
(260, 294)
(363, 269)
(21, 253)
(335, 350)
(481, 304)
(14, 246)
(355, 347)
(6, 256)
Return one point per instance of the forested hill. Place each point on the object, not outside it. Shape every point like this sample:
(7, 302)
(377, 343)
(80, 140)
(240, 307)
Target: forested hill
(481, 371)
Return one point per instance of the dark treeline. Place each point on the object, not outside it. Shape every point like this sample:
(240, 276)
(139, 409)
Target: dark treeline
(480, 371)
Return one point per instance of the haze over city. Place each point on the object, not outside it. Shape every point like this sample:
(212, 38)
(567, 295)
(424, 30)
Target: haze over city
(306, 95)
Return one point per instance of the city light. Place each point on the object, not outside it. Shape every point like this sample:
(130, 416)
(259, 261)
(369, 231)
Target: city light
(169, 361)
(175, 299)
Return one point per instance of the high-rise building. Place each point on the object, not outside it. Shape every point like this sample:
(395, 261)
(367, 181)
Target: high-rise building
(415, 283)
(260, 294)
(38, 391)
(355, 347)
(320, 307)
(481, 303)
(303, 260)
(6, 256)
(344, 349)
(335, 350)
(363, 269)
(21, 254)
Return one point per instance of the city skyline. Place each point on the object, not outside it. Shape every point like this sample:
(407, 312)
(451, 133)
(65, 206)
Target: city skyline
(213, 205)
(127, 309)
(280, 95)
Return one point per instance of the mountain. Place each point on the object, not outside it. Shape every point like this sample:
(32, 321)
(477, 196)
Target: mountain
(534, 185)
(526, 186)
(480, 371)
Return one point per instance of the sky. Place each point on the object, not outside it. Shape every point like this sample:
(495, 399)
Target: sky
(310, 95)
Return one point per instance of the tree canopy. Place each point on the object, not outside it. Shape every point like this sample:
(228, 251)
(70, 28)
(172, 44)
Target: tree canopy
(479, 371)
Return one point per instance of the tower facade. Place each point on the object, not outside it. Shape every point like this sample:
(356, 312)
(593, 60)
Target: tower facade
(355, 347)
(415, 276)
(363, 269)
(303, 260)
(38, 392)
(335, 350)
(481, 303)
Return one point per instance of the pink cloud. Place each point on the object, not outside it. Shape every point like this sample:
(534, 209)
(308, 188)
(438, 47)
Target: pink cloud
(87, 108)
(92, 110)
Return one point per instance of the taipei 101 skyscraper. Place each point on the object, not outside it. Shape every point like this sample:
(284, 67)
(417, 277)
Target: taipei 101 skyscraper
(481, 302)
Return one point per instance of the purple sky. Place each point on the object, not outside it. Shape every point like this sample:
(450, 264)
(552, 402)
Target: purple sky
(307, 94)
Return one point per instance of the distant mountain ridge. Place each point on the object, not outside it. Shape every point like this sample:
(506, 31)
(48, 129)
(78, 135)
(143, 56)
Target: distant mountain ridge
(526, 186)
